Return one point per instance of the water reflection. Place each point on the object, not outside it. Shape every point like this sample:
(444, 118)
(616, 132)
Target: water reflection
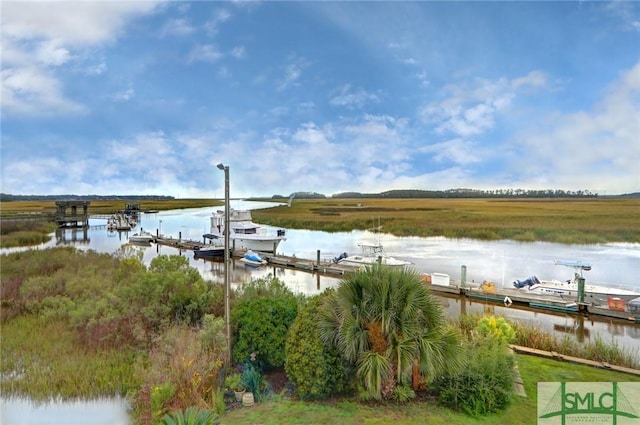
(498, 261)
(108, 411)
(72, 236)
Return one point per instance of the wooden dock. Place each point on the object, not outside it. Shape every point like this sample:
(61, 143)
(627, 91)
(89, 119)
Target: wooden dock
(318, 266)
(485, 291)
(520, 299)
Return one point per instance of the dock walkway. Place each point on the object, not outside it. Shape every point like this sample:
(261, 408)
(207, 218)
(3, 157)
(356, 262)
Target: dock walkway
(485, 291)
(518, 298)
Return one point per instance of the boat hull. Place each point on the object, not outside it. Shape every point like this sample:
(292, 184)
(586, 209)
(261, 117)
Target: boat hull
(245, 234)
(592, 293)
(263, 245)
(363, 261)
(209, 252)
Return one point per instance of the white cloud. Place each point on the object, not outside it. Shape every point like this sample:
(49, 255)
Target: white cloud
(471, 110)
(204, 53)
(33, 91)
(177, 26)
(51, 53)
(457, 151)
(238, 52)
(220, 16)
(124, 95)
(40, 36)
(352, 99)
(72, 23)
(625, 12)
(292, 73)
(569, 149)
(223, 72)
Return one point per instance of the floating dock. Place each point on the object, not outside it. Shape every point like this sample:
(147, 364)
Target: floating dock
(519, 299)
(438, 282)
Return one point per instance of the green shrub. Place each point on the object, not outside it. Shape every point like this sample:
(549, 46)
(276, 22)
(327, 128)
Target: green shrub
(403, 393)
(234, 382)
(160, 395)
(260, 325)
(316, 370)
(254, 382)
(179, 362)
(191, 416)
(496, 327)
(485, 384)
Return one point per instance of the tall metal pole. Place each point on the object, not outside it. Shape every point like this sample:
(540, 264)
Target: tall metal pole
(227, 261)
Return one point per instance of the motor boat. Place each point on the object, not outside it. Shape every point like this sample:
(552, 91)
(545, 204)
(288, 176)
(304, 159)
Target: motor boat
(244, 233)
(597, 294)
(372, 253)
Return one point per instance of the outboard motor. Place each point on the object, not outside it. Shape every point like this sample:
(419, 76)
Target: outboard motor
(340, 257)
(530, 281)
(280, 232)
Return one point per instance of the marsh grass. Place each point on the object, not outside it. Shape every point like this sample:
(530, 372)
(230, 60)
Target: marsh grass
(41, 358)
(568, 221)
(31, 231)
(25, 233)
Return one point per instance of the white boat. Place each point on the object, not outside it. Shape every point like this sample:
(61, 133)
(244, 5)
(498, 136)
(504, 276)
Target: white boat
(244, 233)
(372, 253)
(120, 222)
(142, 237)
(596, 294)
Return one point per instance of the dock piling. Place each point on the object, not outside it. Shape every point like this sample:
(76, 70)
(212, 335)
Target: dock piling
(463, 276)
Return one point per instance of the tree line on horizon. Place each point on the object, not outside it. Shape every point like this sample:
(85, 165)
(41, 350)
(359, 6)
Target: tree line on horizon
(454, 193)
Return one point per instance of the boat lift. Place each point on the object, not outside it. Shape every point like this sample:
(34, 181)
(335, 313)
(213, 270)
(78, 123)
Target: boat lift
(578, 265)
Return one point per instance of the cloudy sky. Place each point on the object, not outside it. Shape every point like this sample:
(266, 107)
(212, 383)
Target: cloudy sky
(147, 97)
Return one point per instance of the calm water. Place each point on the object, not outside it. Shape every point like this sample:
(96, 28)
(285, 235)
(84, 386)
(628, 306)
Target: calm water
(113, 411)
(615, 264)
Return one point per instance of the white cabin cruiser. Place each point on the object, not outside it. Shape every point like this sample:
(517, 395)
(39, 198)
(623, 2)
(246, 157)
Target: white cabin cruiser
(244, 233)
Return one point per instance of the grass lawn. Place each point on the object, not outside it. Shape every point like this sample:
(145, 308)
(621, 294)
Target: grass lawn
(522, 411)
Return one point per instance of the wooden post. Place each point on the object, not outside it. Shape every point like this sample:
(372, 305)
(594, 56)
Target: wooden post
(463, 276)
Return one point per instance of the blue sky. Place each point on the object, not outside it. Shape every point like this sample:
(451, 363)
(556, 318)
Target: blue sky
(147, 97)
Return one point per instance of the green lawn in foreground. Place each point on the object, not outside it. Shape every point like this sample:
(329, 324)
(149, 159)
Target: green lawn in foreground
(522, 411)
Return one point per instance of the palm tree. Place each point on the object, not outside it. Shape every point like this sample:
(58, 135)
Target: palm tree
(385, 322)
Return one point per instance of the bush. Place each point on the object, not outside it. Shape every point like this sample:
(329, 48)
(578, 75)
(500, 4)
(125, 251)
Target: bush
(254, 382)
(485, 384)
(260, 321)
(496, 327)
(315, 370)
(191, 416)
(180, 372)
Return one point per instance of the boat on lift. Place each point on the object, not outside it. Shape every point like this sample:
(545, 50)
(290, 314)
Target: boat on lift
(596, 294)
